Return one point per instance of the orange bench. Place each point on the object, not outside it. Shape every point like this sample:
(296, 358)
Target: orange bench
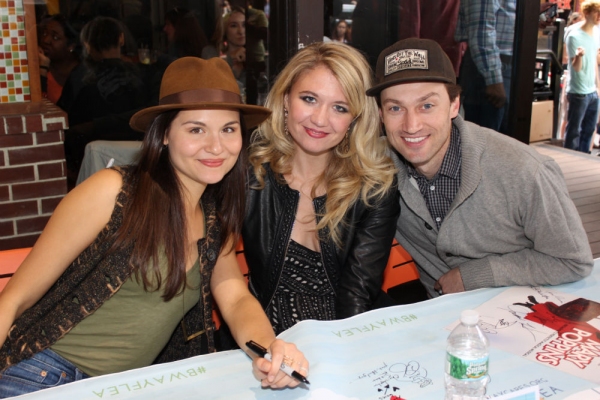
(9, 262)
(400, 268)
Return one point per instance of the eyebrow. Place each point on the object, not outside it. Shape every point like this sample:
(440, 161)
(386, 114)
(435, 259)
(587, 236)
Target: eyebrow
(313, 94)
(420, 99)
(200, 123)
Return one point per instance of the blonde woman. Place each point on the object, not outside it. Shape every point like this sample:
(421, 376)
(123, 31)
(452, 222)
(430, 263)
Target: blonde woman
(322, 203)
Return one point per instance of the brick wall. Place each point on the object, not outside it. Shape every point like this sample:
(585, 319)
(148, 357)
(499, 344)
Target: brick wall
(32, 170)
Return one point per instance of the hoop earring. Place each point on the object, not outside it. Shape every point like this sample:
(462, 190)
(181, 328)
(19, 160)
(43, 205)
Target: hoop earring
(285, 122)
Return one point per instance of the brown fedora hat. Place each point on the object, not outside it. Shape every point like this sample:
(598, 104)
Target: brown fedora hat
(194, 83)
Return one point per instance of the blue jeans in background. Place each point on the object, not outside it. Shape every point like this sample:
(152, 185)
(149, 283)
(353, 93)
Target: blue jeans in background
(582, 116)
(42, 371)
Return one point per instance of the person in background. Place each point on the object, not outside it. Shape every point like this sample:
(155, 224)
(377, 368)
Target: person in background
(112, 87)
(574, 20)
(234, 42)
(126, 270)
(584, 82)
(322, 199)
(341, 32)
(185, 35)
(226, 7)
(479, 209)
(59, 51)
(488, 28)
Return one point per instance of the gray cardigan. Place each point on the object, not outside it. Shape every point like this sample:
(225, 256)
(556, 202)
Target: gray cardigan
(512, 221)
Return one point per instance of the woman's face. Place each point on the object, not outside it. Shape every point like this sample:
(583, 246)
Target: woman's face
(236, 29)
(169, 29)
(204, 145)
(341, 29)
(318, 112)
(54, 42)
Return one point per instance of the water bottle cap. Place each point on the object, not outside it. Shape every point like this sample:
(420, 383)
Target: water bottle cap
(469, 317)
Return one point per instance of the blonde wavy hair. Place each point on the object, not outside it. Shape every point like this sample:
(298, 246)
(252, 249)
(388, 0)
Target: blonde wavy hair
(364, 172)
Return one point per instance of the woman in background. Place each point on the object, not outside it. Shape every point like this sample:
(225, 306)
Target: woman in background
(322, 202)
(234, 42)
(341, 32)
(58, 55)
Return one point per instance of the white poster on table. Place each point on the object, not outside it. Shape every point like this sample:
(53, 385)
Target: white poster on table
(556, 329)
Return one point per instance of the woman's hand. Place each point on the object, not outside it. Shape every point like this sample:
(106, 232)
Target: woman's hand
(239, 55)
(44, 62)
(269, 373)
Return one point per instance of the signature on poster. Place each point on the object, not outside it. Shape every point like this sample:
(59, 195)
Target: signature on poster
(388, 379)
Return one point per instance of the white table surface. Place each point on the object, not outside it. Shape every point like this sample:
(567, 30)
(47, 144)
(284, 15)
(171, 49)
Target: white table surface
(402, 347)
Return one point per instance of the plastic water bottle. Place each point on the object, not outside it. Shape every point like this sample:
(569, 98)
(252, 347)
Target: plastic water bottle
(467, 355)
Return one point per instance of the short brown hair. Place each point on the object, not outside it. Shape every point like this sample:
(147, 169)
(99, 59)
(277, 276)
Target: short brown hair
(454, 90)
(589, 6)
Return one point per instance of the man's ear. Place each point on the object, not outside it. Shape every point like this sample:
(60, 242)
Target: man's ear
(455, 107)
(121, 40)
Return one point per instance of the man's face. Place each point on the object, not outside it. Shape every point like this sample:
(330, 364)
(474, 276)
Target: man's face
(418, 120)
(593, 17)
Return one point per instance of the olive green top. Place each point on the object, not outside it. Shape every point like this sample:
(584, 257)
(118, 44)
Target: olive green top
(130, 329)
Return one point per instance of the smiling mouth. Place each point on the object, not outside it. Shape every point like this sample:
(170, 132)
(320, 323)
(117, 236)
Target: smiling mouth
(212, 163)
(415, 139)
(314, 133)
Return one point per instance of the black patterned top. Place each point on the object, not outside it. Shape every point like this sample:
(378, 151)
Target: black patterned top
(304, 290)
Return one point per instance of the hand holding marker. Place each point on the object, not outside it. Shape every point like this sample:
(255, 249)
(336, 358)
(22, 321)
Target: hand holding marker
(261, 351)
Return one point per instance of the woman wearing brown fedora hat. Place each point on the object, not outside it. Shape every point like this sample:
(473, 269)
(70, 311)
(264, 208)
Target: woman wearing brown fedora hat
(322, 204)
(125, 272)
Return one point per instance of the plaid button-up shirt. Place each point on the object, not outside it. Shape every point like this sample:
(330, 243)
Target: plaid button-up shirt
(488, 27)
(439, 192)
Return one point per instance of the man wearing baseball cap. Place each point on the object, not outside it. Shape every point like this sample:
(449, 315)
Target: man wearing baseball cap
(478, 208)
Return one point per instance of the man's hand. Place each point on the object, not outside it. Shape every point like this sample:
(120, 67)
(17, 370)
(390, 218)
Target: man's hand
(580, 52)
(450, 282)
(495, 94)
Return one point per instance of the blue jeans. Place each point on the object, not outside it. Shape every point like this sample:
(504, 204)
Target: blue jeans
(582, 116)
(477, 107)
(42, 371)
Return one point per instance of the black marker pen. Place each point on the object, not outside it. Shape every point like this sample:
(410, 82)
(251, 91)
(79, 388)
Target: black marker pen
(261, 351)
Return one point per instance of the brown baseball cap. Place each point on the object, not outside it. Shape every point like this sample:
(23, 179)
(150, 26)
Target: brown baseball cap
(412, 60)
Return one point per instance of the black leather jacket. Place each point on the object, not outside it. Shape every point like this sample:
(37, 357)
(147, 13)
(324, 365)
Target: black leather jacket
(356, 269)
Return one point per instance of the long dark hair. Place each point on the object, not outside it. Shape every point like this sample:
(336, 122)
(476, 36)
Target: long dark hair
(154, 218)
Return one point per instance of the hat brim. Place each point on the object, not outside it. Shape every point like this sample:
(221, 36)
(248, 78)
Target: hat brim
(252, 115)
(376, 90)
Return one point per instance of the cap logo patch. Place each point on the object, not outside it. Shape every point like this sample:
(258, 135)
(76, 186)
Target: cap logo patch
(406, 59)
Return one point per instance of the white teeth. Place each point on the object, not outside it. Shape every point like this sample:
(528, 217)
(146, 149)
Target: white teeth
(414, 140)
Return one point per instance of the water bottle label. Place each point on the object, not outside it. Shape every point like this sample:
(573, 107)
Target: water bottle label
(466, 369)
